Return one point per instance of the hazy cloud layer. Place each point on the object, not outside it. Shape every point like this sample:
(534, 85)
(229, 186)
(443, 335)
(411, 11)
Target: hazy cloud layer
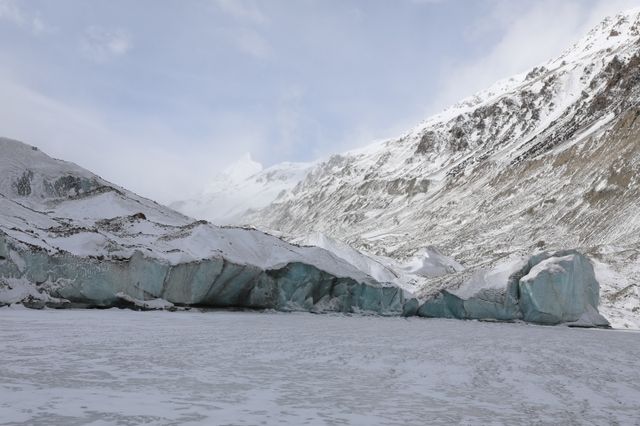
(100, 44)
(11, 11)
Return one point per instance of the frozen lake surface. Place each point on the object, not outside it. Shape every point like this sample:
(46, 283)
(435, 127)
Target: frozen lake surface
(115, 367)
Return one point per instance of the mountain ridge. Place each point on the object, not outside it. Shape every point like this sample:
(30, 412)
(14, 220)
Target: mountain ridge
(611, 35)
(546, 159)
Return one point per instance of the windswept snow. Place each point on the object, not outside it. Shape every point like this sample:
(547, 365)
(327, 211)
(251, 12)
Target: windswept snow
(410, 275)
(430, 262)
(219, 368)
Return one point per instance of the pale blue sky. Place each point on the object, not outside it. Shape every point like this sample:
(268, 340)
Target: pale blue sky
(158, 96)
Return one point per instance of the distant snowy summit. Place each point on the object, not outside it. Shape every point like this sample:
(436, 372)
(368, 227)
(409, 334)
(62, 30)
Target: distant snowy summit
(507, 119)
(243, 187)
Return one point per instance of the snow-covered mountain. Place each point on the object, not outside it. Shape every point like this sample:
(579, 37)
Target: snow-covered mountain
(545, 160)
(548, 158)
(68, 236)
(241, 188)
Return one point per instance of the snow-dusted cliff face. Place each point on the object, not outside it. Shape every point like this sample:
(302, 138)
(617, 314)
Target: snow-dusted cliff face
(549, 158)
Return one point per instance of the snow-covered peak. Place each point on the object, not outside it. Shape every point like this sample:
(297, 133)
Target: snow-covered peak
(28, 172)
(514, 109)
(38, 182)
(234, 173)
(243, 168)
(611, 33)
(244, 186)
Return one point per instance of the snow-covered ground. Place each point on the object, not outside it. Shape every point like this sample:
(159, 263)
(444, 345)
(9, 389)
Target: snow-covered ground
(72, 367)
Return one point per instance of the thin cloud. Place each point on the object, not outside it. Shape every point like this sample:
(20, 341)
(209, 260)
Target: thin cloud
(199, 105)
(242, 10)
(252, 43)
(146, 156)
(426, 1)
(244, 33)
(289, 119)
(101, 45)
(11, 12)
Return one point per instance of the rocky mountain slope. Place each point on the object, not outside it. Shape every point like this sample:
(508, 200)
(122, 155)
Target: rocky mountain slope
(549, 158)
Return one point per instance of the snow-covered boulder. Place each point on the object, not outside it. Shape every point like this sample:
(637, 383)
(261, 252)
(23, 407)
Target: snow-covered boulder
(21, 290)
(547, 288)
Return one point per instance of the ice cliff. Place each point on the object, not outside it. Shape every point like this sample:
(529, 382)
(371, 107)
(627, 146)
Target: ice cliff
(547, 288)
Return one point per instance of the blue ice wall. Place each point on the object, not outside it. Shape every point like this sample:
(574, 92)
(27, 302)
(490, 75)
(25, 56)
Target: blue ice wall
(547, 289)
(213, 282)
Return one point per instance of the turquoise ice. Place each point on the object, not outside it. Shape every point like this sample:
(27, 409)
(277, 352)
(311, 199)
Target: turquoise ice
(547, 288)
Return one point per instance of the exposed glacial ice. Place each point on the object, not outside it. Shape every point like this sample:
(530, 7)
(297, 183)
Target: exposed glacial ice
(547, 288)
(561, 288)
(214, 282)
(74, 238)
